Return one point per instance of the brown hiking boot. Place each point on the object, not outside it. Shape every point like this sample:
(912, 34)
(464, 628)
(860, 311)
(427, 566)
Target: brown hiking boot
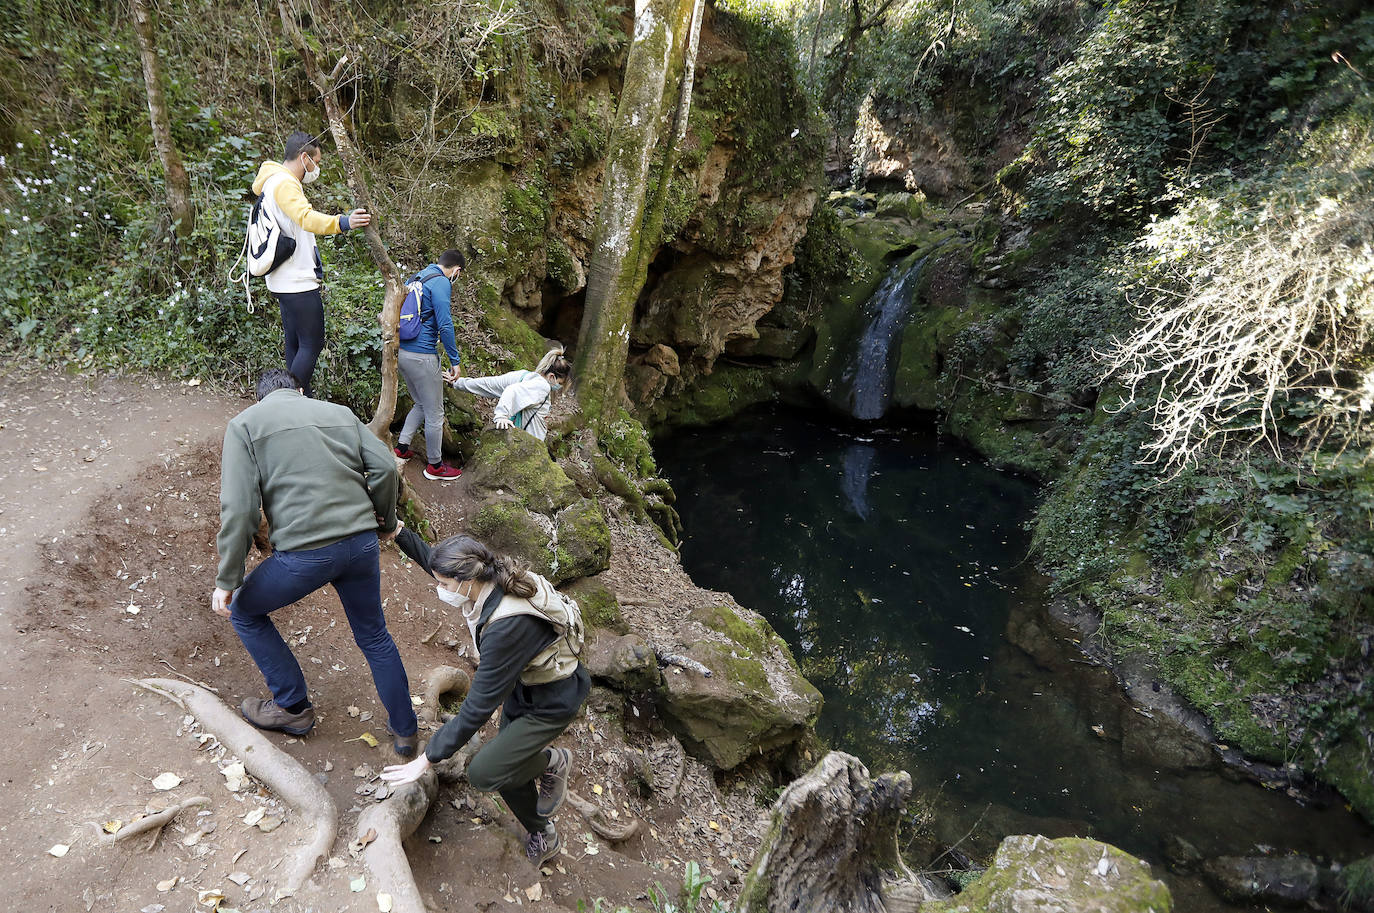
(269, 715)
(404, 745)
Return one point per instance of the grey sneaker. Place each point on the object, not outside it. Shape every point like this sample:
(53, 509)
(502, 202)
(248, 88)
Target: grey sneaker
(543, 846)
(553, 782)
(269, 715)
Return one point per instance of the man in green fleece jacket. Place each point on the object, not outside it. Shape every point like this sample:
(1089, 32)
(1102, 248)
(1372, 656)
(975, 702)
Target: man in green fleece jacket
(323, 480)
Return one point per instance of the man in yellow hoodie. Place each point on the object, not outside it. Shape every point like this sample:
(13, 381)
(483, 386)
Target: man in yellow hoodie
(296, 282)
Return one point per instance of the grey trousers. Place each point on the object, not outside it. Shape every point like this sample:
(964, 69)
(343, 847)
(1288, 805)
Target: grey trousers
(426, 386)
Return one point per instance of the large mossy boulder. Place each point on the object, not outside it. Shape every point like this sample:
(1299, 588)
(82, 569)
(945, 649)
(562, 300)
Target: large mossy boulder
(1289, 881)
(1069, 875)
(525, 505)
(754, 702)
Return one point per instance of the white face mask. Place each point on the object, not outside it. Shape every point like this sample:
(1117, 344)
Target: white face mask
(311, 175)
(452, 597)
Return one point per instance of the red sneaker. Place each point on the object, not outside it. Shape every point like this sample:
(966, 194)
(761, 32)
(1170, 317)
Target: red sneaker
(402, 451)
(442, 472)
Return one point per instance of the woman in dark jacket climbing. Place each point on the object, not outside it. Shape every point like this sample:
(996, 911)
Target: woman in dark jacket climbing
(528, 637)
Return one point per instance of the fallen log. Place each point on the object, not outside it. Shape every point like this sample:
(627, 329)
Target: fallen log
(283, 774)
(392, 821)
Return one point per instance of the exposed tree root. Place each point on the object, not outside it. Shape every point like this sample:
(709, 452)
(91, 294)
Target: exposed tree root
(282, 773)
(153, 822)
(393, 821)
(454, 769)
(596, 819)
(443, 680)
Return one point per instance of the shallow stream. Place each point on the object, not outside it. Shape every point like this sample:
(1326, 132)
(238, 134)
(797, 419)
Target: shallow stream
(892, 563)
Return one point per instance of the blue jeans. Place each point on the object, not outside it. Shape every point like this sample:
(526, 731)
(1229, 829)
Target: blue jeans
(353, 567)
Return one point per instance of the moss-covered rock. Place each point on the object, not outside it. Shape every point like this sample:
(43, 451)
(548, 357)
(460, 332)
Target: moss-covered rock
(600, 608)
(583, 544)
(625, 662)
(1069, 875)
(754, 702)
(528, 507)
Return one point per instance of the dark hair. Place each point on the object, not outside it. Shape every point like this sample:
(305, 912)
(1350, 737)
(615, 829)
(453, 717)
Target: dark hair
(275, 379)
(452, 257)
(297, 142)
(464, 558)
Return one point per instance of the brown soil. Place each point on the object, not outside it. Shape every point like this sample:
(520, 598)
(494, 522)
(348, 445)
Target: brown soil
(107, 559)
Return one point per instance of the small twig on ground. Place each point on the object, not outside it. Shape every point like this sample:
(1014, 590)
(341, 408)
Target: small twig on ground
(430, 636)
(154, 822)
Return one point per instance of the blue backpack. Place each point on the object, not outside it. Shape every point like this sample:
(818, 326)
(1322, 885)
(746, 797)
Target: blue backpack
(409, 327)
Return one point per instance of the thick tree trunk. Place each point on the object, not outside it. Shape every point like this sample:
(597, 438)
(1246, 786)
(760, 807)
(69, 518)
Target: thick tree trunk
(178, 183)
(662, 58)
(394, 293)
(832, 845)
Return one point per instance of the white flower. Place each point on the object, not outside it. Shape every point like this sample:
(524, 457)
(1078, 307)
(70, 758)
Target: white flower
(26, 218)
(72, 233)
(19, 145)
(107, 293)
(14, 231)
(97, 310)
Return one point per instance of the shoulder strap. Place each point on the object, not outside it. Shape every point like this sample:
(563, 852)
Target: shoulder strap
(489, 607)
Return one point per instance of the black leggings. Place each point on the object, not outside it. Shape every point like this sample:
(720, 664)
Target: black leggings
(302, 322)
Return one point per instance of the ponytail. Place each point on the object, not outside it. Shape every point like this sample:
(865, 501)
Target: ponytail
(464, 558)
(554, 363)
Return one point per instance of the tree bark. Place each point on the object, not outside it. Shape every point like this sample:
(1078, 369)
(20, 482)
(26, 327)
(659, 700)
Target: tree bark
(832, 845)
(394, 294)
(178, 183)
(627, 235)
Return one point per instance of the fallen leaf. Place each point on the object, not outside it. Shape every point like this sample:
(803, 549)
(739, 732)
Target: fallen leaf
(592, 849)
(166, 780)
(254, 816)
(508, 898)
(353, 711)
(239, 878)
(269, 824)
(367, 838)
(59, 850)
(193, 382)
(535, 891)
(132, 609)
(367, 737)
(596, 788)
(364, 716)
(112, 827)
(211, 898)
(357, 884)
(165, 886)
(713, 825)
(384, 902)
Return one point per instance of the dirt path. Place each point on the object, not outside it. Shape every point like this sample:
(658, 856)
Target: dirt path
(107, 557)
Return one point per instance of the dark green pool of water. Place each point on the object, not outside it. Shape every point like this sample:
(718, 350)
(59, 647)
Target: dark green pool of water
(891, 563)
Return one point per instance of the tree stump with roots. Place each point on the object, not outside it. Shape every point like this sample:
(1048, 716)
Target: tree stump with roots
(832, 845)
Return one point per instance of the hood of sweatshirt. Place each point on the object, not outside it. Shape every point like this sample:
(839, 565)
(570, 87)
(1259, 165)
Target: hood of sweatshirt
(266, 171)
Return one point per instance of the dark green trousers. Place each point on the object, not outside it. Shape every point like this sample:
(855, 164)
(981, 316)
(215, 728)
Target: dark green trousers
(511, 763)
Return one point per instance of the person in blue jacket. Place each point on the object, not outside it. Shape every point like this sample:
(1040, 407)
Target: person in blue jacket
(418, 361)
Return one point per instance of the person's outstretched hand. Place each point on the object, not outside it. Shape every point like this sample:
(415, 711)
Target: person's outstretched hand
(358, 218)
(502, 423)
(401, 774)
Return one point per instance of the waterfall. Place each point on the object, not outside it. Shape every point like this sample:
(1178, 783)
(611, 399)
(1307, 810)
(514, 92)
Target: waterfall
(873, 367)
